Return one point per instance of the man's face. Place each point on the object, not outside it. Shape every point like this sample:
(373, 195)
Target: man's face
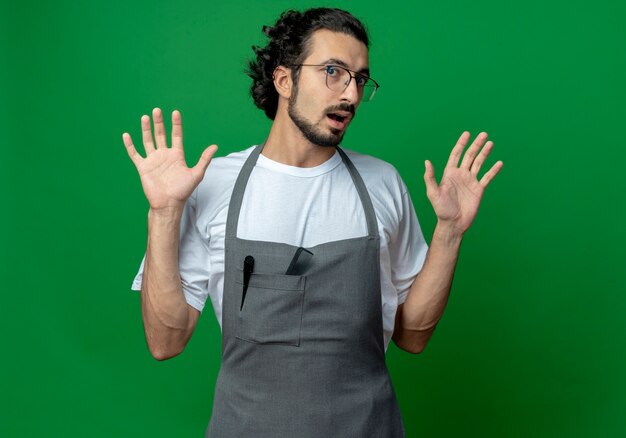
(321, 114)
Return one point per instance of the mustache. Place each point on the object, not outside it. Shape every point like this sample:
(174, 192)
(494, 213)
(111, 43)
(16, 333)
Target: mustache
(342, 107)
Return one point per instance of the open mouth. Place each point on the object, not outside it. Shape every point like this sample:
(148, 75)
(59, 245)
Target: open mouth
(337, 117)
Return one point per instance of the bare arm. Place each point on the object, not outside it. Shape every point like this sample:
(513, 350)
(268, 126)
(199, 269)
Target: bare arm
(455, 201)
(417, 317)
(167, 183)
(167, 318)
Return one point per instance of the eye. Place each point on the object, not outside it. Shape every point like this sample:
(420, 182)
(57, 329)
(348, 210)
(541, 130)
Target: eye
(331, 70)
(361, 80)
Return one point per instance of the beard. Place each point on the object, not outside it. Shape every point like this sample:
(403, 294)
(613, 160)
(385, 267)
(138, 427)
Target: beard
(311, 131)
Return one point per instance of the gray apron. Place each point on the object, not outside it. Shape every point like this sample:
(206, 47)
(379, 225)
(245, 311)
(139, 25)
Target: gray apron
(303, 355)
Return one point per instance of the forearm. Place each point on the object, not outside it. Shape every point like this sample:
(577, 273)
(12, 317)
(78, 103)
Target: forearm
(168, 319)
(428, 296)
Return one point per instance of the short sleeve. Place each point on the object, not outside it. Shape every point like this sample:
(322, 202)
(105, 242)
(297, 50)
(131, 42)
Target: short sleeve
(407, 250)
(193, 259)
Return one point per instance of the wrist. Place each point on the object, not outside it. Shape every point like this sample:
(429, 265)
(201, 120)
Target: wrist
(447, 234)
(165, 214)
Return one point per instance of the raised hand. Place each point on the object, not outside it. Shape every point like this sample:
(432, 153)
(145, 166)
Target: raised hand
(457, 198)
(166, 179)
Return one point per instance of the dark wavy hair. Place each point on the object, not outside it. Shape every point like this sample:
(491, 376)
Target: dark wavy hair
(289, 44)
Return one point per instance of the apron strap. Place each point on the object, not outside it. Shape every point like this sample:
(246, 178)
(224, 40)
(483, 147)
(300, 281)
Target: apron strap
(238, 191)
(236, 199)
(368, 207)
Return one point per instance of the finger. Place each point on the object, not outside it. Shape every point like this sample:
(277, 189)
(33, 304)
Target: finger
(457, 150)
(200, 168)
(491, 174)
(472, 151)
(177, 130)
(159, 128)
(146, 134)
(429, 179)
(480, 159)
(130, 148)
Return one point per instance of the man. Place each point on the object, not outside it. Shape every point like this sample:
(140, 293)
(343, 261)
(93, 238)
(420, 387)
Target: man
(310, 254)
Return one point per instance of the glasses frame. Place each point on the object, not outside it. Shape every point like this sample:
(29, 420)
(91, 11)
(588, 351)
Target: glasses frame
(352, 73)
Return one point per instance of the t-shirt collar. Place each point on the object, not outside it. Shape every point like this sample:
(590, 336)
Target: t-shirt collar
(303, 172)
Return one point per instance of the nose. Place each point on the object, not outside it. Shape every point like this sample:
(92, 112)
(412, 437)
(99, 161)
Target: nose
(351, 94)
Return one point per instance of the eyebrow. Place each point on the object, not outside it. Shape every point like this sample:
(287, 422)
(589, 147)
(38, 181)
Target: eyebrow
(339, 62)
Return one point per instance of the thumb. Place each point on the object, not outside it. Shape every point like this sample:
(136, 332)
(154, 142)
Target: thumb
(200, 168)
(429, 178)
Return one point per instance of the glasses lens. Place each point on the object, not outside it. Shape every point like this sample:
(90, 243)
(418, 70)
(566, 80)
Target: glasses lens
(369, 90)
(338, 79)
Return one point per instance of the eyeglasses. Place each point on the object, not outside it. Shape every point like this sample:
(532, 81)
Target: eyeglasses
(338, 79)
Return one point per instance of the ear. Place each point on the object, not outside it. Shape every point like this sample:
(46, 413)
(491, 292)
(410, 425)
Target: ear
(282, 81)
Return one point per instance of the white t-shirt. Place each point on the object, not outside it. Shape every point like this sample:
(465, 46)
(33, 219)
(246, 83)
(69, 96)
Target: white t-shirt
(301, 207)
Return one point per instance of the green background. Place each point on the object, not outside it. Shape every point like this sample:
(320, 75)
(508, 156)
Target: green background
(533, 341)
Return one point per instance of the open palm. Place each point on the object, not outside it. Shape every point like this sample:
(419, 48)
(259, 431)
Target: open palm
(457, 198)
(166, 179)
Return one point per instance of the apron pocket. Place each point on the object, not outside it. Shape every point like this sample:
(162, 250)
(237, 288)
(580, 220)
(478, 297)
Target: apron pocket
(272, 309)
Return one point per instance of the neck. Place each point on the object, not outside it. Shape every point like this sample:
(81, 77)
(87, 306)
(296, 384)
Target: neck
(286, 144)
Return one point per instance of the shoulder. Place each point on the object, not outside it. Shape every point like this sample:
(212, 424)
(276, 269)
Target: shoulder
(385, 187)
(214, 191)
(230, 164)
(377, 174)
